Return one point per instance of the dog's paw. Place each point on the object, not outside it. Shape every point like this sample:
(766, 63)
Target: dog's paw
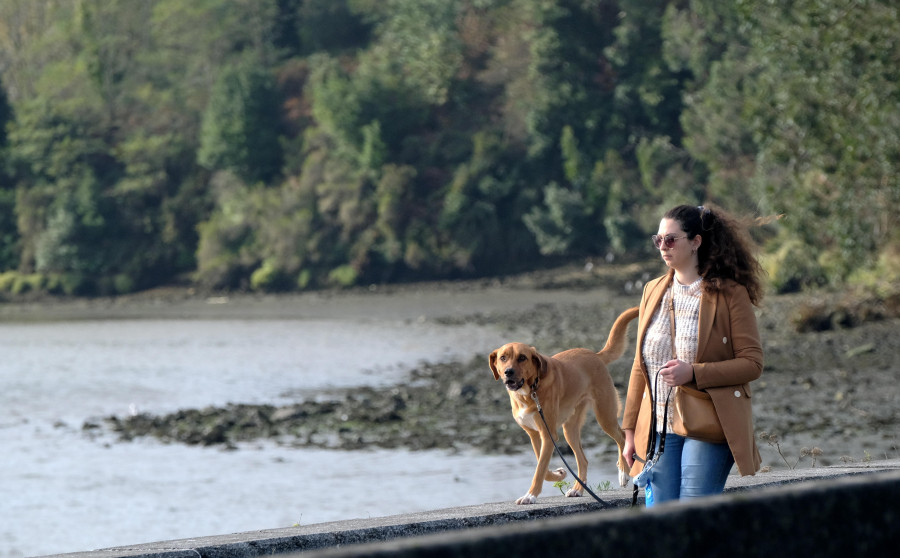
(574, 492)
(623, 478)
(527, 499)
(557, 475)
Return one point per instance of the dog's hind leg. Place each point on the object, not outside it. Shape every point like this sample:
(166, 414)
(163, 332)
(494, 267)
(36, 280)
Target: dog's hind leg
(609, 422)
(555, 475)
(572, 431)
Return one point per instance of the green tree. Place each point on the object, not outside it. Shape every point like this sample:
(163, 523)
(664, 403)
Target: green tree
(6, 116)
(481, 223)
(705, 39)
(96, 160)
(9, 249)
(240, 130)
(797, 102)
(602, 85)
(829, 132)
(279, 144)
(331, 25)
(561, 225)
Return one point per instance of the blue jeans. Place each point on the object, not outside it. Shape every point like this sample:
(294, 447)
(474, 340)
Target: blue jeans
(689, 469)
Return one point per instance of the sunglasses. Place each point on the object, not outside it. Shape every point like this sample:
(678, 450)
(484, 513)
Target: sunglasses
(668, 240)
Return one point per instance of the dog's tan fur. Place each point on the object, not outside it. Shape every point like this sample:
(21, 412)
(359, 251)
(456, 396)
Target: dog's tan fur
(566, 384)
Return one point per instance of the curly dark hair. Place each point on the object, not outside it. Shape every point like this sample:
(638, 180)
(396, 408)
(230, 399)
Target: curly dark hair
(727, 251)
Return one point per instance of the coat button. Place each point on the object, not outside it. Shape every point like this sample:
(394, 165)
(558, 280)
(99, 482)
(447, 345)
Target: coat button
(737, 393)
(724, 340)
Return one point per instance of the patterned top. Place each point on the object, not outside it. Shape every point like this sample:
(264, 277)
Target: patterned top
(657, 347)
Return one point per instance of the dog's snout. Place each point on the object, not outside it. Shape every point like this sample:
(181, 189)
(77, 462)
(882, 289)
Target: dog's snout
(510, 372)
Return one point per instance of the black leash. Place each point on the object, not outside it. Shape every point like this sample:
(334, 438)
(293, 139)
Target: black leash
(651, 443)
(652, 455)
(558, 452)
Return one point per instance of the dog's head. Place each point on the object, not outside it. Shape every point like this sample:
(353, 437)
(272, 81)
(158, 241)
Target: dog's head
(518, 365)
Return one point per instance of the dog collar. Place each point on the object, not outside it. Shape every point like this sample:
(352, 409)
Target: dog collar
(534, 395)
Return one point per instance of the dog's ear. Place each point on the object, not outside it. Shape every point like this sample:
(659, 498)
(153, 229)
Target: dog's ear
(492, 360)
(540, 362)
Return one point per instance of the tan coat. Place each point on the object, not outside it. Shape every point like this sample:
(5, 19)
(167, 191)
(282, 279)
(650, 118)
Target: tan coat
(729, 357)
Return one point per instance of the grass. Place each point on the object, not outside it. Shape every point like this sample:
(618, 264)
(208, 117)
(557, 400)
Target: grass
(814, 453)
(565, 485)
(773, 440)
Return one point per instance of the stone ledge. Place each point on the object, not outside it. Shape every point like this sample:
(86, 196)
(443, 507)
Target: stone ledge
(471, 524)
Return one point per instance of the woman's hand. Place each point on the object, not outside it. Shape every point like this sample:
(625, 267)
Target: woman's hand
(676, 373)
(628, 449)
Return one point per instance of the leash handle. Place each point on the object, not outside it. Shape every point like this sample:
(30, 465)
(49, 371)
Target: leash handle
(653, 455)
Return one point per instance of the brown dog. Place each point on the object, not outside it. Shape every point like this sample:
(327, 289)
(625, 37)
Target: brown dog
(565, 384)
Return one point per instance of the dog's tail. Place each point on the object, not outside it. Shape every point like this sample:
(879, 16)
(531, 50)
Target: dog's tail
(615, 343)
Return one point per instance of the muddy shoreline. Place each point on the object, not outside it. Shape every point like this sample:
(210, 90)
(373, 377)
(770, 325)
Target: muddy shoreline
(827, 395)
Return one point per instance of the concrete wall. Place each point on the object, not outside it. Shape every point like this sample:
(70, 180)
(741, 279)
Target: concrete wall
(854, 516)
(823, 512)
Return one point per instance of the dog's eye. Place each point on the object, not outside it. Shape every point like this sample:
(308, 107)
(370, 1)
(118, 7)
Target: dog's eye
(522, 358)
(503, 358)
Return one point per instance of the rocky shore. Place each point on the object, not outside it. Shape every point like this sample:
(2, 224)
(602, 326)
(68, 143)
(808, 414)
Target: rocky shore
(827, 395)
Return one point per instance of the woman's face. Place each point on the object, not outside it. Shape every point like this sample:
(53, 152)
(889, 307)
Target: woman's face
(680, 255)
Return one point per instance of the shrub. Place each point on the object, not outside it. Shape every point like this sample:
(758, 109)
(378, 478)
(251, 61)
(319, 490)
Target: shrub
(74, 284)
(22, 284)
(123, 283)
(343, 276)
(7, 278)
(269, 278)
(793, 267)
(304, 279)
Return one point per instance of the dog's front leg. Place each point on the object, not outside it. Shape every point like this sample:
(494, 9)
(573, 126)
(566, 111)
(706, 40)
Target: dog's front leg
(543, 449)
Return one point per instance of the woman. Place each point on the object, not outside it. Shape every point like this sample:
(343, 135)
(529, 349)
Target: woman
(714, 282)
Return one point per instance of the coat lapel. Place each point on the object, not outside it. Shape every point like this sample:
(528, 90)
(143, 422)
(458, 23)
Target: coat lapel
(707, 316)
(654, 298)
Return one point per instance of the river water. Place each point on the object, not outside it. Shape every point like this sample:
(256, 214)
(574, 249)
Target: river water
(66, 489)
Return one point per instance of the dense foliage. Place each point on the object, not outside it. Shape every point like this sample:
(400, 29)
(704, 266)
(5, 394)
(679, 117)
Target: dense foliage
(287, 144)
